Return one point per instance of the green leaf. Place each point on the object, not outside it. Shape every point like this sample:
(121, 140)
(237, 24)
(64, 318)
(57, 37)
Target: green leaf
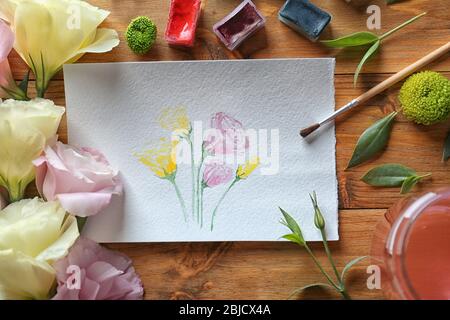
(293, 238)
(81, 222)
(372, 50)
(24, 83)
(349, 265)
(352, 40)
(309, 286)
(388, 175)
(372, 141)
(292, 225)
(410, 182)
(446, 152)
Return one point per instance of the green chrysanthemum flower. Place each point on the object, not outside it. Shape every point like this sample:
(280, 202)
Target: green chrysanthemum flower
(425, 97)
(141, 35)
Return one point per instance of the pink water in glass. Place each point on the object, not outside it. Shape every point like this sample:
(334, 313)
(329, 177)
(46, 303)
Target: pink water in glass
(412, 247)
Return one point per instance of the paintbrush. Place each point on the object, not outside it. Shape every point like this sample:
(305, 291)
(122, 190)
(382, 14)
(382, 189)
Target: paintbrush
(379, 88)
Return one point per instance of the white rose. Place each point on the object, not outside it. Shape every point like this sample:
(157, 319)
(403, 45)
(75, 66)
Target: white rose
(33, 234)
(25, 129)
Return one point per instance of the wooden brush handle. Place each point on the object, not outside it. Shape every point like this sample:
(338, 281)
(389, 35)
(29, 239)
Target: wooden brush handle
(399, 76)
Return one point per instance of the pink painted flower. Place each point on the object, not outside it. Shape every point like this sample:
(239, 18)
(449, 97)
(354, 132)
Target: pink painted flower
(92, 272)
(8, 87)
(81, 179)
(216, 173)
(229, 136)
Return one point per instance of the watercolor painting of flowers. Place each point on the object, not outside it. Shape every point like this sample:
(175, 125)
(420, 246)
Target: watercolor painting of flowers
(209, 169)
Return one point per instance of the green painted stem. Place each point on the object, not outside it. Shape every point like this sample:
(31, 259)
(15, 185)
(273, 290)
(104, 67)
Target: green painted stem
(220, 201)
(194, 184)
(200, 190)
(180, 198)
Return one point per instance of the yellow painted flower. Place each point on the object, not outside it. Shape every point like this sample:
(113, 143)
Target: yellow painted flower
(33, 234)
(160, 158)
(244, 170)
(25, 128)
(175, 120)
(50, 33)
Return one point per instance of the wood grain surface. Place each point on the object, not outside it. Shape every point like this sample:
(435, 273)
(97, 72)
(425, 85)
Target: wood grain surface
(274, 270)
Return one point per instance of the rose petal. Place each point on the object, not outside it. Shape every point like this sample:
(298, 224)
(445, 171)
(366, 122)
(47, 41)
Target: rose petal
(41, 171)
(6, 40)
(108, 274)
(84, 204)
(90, 290)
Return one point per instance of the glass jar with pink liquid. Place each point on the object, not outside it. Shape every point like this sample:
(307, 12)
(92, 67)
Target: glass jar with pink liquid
(411, 245)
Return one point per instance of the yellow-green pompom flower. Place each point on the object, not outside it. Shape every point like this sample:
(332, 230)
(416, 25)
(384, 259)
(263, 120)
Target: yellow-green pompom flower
(33, 234)
(425, 98)
(25, 129)
(141, 35)
(244, 170)
(52, 33)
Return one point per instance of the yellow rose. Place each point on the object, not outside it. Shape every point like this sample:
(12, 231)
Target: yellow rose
(33, 234)
(175, 120)
(244, 170)
(50, 33)
(25, 128)
(160, 158)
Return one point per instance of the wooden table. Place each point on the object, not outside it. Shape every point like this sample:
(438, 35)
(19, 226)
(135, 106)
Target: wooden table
(274, 270)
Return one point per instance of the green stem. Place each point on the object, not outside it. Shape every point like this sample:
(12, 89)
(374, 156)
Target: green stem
(330, 257)
(16, 93)
(16, 191)
(180, 198)
(404, 24)
(81, 222)
(424, 176)
(194, 184)
(344, 294)
(321, 269)
(220, 201)
(200, 190)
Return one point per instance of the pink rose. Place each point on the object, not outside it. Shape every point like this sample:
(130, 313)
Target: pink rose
(6, 79)
(81, 179)
(229, 137)
(92, 272)
(216, 173)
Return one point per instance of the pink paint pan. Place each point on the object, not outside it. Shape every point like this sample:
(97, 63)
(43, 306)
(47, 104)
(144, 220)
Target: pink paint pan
(182, 23)
(239, 25)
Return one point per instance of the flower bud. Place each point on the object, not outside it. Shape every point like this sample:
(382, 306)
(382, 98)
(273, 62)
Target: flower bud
(319, 221)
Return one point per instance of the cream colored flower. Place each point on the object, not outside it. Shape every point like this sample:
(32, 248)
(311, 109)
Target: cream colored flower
(25, 129)
(33, 234)
(50, 33)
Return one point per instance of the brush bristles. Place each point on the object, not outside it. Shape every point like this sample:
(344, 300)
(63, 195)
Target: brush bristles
(307, 131)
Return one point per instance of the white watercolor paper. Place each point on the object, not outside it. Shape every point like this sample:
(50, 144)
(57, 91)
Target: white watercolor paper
(125, 109)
